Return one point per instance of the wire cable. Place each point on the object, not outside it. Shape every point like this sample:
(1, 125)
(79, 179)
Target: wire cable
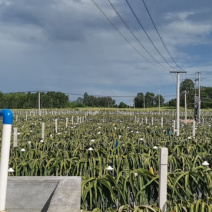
(135, 35)
(160, 36)
(121, 33)
(148, 35)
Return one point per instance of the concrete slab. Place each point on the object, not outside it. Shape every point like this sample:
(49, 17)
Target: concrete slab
(43, 194)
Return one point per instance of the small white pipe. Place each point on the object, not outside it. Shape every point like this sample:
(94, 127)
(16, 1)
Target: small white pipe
(5, 152)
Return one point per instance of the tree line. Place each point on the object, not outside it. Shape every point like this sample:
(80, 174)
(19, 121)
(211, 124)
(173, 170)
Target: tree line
(28, 100)
(140, 101)
(21, 100)
(93, 101)
(148, 100)
(192, 95)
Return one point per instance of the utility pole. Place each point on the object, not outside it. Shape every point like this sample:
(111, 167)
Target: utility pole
(39, 103)
(134, 103)
(197, 102)
(159, 99)
(144, 100)
(178, 99)
(185, 92)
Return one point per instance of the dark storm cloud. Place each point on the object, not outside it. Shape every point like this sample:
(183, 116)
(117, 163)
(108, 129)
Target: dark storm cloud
(69, 46)
(58, 20)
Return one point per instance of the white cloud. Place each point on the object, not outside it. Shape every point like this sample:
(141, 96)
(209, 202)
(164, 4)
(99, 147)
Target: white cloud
(179, 15)
(189, 28)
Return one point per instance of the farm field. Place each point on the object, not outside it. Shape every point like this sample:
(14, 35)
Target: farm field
(117, 154)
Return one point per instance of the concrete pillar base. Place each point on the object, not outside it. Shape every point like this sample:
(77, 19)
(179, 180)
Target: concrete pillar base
(43, 194)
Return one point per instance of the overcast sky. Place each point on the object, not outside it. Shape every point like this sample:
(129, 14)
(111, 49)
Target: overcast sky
(71, 47)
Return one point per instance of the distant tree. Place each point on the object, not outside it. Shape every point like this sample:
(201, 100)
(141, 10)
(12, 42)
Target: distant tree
(108, 102)
(92, 101)
(76, 104)
(86, 99)
(22, 100)
(188, 86)
(139, 100)
(79, 100)
(32, 99)
(149, 99)
(156, 100)
(123, 105)
(1, 100)
(206, 97)
(172, 102)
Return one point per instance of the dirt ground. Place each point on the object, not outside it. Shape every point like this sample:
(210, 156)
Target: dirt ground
(189, 121)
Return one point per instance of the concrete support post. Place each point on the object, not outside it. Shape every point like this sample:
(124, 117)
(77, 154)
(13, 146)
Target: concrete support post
(193, 132)
(15, 137)
(66, 122)
(163, 178)
(185, 108)
(173, 126)
(43, 130)
(161, 121)
(55, 122)
(39, 112)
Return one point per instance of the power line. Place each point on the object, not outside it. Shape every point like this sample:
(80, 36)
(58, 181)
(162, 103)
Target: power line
(25, 92)
(160, 35)
(148, 35)
(131, 33)
(135, 35)
(121, 32)
(97, 95)
(125, 37)
(169, 95)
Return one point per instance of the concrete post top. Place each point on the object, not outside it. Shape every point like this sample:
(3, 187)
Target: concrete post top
(163, 156)
(46, 194)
